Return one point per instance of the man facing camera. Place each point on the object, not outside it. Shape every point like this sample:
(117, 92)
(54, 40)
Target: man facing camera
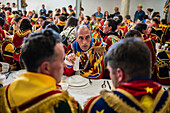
(37, 90)
(129, 63)
(90, 52)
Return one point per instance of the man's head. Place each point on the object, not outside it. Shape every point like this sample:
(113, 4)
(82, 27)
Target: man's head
(41, 20)
(142, 27)
(13, 4)
(62, 18)
(83, 37)
(8, 4)
(43, 6)
(128, 59)
(43, 53)
(70, 7)
(98, 9)
(86, 19)
(127, 17)
(133, 33)
(139, 8)
(116, 9)
(109, 26)
(155, 21)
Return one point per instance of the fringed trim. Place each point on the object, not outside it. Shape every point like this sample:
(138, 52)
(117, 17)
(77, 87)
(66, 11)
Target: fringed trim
(165, 107)
(116, 103)
(46, 105)
(3, 102)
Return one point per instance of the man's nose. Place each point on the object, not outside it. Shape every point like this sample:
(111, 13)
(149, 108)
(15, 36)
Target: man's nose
(84, 41)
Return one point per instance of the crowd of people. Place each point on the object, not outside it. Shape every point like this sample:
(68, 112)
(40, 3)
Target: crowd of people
(134, 54)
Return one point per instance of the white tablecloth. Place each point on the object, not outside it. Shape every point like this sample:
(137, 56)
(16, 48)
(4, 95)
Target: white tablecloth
(81, 94)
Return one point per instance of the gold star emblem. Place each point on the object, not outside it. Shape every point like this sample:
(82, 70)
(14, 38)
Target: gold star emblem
(102, 111)
(149, 90)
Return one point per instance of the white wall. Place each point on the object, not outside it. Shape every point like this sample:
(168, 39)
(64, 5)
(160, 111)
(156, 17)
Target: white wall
(157, 5)
(90, 6)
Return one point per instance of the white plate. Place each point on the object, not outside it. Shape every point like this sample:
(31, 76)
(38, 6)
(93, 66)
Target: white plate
(77, 81)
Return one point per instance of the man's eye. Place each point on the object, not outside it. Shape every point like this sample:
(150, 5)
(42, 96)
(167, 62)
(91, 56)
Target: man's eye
(81, 37)
(87, 37)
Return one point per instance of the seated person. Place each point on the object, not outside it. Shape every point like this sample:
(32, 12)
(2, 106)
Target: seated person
(162, 62)
(61, 22)
(130, 69)
(37, 90)
(109, 29)
(25, 30)
(89, 50)
(142, 27)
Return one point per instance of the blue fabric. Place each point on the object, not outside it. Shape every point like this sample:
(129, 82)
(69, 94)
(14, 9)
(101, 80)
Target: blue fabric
(127, 100)
(161, 101)
(43, 11)
(140, 14)
(101, 105)
(98, 15)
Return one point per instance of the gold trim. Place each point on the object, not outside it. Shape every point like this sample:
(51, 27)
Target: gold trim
(45, 105)
(166, 106)
(117, 103)
(92, 104)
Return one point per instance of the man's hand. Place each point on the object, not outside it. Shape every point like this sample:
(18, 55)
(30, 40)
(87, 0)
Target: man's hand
(71, 58)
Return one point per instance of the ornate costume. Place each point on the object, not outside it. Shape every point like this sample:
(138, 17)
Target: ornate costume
(162, 62)
(111, 38)
(91, 60)
(135, 96)
(7, 50)
(19, 37)
(36, 93)
(61, 25)
(151, 45)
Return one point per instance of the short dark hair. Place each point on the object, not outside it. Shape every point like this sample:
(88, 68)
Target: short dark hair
(150, 10)
(164, 21)
(145, 17)
(2, 22)
(17, 18)
(120, 18)
(25, 24)
(62, 18)
(133, 33)
(13, 3)
(88, 18)
(112, 23)
(54, 27)
(132, 56)
(39, 47)
(45, 23)
(155, 20)
(50, 11)
(140, 27)
(70, 6)
(43, 17)
(8, 3)
(127, 16)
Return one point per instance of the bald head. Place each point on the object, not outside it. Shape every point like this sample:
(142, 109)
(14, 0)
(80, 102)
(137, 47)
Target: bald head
(83, 37)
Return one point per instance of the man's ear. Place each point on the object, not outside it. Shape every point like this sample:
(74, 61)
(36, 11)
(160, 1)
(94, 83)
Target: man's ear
(120, 75)
(45, 68)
